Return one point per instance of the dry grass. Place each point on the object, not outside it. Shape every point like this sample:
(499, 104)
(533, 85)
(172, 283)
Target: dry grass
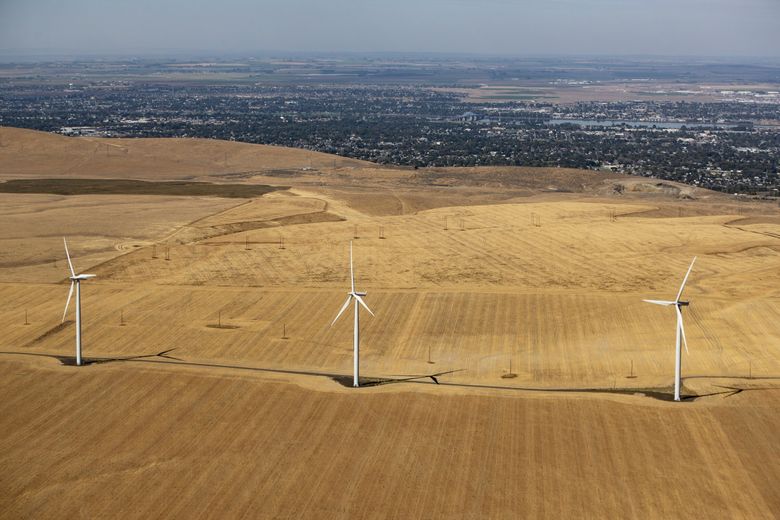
(30, 154)
(156, 443)
(239, 421)
(99, 228)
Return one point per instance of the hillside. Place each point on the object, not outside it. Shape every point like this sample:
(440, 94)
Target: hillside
(511, 369)
(31, 154)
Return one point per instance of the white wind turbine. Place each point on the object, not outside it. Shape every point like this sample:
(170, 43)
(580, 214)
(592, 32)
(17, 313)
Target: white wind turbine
(75, 279)
(678, 304)
(357, 298)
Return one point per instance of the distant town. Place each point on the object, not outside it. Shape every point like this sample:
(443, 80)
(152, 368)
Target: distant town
(721, 138)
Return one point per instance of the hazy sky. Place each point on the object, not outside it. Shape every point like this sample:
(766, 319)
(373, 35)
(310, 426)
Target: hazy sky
(515, 27)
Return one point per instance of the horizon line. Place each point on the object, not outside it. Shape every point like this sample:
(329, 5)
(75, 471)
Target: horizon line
(43, 54)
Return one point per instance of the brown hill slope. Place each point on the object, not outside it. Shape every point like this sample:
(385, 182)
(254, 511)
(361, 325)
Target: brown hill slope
(368, 187)
(30, 154)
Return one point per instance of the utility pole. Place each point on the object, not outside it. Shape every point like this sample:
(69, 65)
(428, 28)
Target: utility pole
(510, 374)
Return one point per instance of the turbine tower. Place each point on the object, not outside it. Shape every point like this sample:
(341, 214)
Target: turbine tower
(357, 298)
(75, 279)
(678, 305)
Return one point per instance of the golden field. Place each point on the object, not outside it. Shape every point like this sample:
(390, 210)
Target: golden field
(467, 270)
(124, 440)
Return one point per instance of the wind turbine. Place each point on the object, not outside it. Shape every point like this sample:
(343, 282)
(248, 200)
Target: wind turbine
(75, 279)
(678, 305)
(357, 298)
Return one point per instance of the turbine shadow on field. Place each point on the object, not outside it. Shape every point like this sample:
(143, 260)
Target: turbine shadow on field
(378, 381)
(52, 331)
(71, 361)
(662, 394)
(743, 378)
(346, 380)
(163, 354)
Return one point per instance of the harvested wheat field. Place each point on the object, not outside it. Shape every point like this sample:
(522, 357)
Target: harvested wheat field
(512, 369)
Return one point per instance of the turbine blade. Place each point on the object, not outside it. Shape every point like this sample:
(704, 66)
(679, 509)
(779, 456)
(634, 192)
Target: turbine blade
(343, 308)
(682, 329)
(67, 302)
(679, 294)
(361, 302)
(351, 269)
(70, 264)
(660, 302)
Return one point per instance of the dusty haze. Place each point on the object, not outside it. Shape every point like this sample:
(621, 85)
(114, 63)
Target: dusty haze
(661, 27)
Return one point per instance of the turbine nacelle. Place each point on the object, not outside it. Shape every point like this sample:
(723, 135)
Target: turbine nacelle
(677, 301)
(666, 303)
(80, 277)
(358, 297)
